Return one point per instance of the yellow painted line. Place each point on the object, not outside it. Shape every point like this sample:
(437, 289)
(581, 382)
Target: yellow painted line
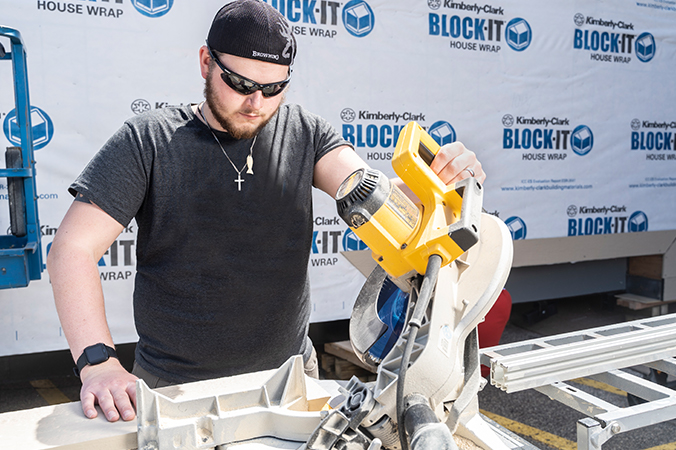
(671, 446)
(550, 439)
(600, 385)
(49, 392)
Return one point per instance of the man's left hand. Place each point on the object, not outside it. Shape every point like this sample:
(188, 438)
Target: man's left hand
(454, 162)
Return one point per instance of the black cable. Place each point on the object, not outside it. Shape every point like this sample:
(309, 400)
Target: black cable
(401, 407)
(414, 324)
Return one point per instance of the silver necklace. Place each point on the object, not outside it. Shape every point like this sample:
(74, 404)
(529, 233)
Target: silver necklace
(249, 158)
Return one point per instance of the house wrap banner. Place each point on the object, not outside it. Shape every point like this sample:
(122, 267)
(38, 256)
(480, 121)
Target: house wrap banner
(570, 105)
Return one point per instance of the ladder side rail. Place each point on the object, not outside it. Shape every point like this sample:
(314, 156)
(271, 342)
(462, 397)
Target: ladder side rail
(21, 95)
(27, 172)
(23, 110)
(35, 260)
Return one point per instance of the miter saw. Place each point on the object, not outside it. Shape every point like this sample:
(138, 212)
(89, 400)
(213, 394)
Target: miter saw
(441, 264)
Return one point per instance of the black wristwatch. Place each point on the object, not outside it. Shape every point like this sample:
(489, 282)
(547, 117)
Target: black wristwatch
(93, 355)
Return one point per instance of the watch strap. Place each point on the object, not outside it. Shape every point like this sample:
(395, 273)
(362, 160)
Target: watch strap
(83, 361)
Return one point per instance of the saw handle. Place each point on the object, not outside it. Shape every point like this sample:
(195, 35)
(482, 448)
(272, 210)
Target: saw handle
(412, 158)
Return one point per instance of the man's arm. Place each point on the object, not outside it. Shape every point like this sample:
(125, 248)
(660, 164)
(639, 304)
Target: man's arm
(450, 164)
(84, 235)
(332, 169)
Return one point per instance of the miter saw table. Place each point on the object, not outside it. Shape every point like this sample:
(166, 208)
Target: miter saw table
(286, 406)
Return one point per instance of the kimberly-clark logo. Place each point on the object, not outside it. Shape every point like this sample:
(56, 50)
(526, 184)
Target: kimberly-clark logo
(358, 18)
(517, 227)
(611, 41)
(593, 220)
(478, 28)
(348, 115)
(545, 138)
(153, 8)
(372, 129)
(41, 124)
(655, 137)
(140, 105)
(434, 4)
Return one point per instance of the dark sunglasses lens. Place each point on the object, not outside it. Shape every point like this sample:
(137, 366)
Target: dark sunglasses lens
(270, 90)
(245, 86)
(238, 84)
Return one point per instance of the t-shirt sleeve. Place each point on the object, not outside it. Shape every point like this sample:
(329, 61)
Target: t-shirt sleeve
(327, 138)
(116, 178)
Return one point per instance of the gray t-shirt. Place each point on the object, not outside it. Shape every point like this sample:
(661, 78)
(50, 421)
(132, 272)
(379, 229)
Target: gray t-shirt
(221, 282)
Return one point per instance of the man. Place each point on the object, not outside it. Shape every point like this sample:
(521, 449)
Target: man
(222, 195)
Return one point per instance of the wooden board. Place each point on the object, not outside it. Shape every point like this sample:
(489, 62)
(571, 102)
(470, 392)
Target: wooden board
(638, 302)
(343, 350)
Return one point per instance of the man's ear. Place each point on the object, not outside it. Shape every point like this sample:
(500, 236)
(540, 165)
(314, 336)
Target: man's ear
(205, 59)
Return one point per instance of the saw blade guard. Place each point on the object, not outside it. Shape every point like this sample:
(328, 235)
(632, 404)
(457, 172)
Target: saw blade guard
(378, 318)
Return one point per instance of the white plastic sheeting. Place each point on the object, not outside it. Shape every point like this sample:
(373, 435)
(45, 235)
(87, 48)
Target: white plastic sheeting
(570, 105)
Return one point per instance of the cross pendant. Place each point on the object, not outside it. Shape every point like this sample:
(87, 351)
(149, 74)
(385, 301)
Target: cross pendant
(239, 181)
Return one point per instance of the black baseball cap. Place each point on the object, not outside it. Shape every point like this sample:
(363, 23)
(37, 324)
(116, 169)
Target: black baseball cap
(255, 30)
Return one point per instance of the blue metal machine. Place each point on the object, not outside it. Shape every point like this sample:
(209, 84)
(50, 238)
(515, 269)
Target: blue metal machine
(20, 250)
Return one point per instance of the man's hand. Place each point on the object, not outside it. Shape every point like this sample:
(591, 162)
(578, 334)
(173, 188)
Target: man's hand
(112, 387)
(454, 162)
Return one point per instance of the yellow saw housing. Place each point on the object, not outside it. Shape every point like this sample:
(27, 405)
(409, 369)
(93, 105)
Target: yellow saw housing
(401, 234)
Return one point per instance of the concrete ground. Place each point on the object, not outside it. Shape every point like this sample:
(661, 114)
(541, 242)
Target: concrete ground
(41, 380)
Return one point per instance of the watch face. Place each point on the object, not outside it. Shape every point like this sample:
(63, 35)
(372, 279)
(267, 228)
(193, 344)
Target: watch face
(96, 354)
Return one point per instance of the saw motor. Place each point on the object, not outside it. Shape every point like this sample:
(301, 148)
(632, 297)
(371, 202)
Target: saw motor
(401, 234)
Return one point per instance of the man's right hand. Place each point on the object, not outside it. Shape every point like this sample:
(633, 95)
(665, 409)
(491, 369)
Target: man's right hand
(111, 387)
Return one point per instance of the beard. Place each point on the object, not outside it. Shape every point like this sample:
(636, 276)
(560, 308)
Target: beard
(227, 122)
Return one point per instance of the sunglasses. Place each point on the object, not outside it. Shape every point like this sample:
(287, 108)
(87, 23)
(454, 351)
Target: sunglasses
(243, 85)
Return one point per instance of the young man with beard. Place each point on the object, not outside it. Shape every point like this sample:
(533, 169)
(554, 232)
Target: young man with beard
(222, 195)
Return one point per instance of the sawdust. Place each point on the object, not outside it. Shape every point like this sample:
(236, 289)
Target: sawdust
(465, 444)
